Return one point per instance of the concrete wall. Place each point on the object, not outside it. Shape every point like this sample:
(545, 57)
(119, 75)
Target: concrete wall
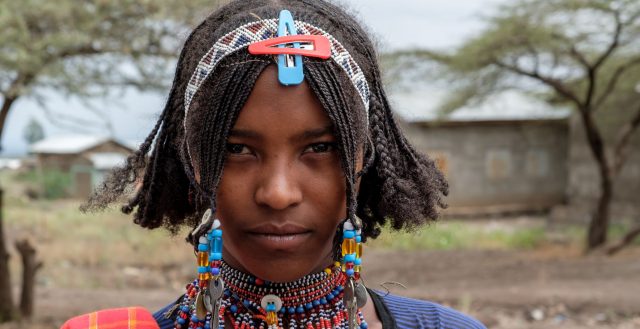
(488, 164)
(583, 186)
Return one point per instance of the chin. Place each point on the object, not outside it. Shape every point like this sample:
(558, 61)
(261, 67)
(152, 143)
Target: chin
(283, 269)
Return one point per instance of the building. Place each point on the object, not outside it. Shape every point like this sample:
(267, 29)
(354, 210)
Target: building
(508, 154)
(85, 158)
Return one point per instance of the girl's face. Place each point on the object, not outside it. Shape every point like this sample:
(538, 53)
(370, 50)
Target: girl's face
(282, 193)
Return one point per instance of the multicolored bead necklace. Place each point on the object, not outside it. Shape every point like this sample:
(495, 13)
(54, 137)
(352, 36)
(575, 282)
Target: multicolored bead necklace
(312, 302)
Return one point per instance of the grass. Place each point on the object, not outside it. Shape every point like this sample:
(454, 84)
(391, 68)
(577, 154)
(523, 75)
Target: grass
(456, 234)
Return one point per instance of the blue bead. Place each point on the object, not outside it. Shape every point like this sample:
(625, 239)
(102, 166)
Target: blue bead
(233, 309)
(323, 301)
(349, 234)
(203, 247)
(216, 256)
(283, 310)
(227, 292)
(271, 308)
(349, 258)
(181, 320)
(203, 269)
(184, 308)
(358, 261)
(246, 303)
(363, 325)
(217, 233)
(350, 272)
(340, 288)
(308, 306)
(194, 318)
(215, 271)
(292, 310)
(358, 239)
(316, 303)
(330, 296)
(300, 309)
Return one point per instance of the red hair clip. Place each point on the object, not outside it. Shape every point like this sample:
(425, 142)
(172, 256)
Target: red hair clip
(320, 46)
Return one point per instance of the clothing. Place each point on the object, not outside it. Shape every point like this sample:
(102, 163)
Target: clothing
(395, 312)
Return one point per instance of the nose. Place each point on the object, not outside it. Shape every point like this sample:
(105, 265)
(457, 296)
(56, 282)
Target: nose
(278, 188)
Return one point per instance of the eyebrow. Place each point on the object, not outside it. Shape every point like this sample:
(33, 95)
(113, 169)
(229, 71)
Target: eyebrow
(305, 135)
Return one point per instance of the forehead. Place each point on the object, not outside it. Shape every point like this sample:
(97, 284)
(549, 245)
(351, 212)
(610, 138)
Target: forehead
(274, 106)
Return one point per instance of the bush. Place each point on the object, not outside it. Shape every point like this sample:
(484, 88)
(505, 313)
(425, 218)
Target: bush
(49, 184)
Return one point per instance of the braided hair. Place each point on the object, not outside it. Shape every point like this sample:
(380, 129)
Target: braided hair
(397, 184)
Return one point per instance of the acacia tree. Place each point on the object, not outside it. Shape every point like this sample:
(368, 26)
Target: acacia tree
(85, 49)
(585, 53)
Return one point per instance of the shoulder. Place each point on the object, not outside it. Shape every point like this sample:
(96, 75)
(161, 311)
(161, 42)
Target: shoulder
(414, 313)
(165, 317)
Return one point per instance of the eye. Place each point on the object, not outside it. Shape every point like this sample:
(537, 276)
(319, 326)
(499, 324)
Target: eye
(320, 147)
(237, 149)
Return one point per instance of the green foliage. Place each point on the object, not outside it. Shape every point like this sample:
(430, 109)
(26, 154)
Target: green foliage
(543, 46)
(51, 184)
(33, 131)
(83, 47)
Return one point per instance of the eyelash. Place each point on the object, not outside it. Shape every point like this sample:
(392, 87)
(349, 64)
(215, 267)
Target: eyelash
(324, 148)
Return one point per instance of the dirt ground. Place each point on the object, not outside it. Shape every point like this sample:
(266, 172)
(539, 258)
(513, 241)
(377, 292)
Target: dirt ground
(547, 288)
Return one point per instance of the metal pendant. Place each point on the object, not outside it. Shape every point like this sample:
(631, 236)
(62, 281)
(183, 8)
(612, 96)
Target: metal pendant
(215, 292)
(361, 295)
(201, 309)
(351, 304)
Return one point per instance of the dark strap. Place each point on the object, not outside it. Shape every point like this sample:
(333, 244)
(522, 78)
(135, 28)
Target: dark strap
(388, 322)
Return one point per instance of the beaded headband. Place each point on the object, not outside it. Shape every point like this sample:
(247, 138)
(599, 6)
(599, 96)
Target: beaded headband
(262, 30)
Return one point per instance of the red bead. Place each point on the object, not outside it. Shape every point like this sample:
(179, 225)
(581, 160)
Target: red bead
(259, 282)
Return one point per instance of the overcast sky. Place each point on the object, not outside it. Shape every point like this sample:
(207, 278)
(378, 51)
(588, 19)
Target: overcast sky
(397, 24)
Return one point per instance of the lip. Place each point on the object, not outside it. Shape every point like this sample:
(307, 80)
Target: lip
(285, 237)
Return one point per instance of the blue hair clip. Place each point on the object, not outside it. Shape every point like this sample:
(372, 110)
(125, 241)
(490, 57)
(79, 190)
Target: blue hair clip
(289, 66)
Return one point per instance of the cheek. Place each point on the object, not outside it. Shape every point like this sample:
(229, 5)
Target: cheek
(324, 184)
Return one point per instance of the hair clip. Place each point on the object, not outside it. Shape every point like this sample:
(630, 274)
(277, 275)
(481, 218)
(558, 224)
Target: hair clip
(317, 46)
(289, 69)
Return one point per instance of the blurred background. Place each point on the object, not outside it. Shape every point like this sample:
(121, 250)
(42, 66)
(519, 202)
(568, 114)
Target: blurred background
(531, 109)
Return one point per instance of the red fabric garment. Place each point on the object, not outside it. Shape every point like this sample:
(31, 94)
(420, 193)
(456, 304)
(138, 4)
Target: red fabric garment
(117, 318)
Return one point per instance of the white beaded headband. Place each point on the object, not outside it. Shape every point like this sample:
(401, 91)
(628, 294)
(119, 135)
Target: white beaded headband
(262, 30)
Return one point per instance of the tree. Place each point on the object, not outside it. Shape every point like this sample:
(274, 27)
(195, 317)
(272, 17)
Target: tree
(33, 131)
(584, 53)
(85, 49)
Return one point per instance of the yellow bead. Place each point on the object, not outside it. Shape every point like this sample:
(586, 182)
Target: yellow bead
(272, 318)
(356, 268)
(327, 270)
(203, 259)
(348, 246)
(336, 264)
(359, 250)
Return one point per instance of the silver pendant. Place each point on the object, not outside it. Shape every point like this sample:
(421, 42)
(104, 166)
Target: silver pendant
(201, 310)
(351, 304)
(361, 295)
(215, 292)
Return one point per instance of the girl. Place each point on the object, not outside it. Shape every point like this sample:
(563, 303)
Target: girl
(277, 131)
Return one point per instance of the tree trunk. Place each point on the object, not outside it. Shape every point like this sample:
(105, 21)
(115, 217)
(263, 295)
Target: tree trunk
(7, 308)
(29, 268)
(4, 111)
(599, 225)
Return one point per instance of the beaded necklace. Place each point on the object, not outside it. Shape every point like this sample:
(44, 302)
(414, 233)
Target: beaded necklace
(314, 301)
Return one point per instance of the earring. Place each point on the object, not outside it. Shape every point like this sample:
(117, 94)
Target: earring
(355, 294)
(209, 287)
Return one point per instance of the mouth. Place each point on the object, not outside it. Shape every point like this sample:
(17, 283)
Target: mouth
(279, 237)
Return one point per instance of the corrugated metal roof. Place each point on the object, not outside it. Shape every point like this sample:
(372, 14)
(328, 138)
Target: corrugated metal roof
(72, 144)
(107, 160)
(507, 106)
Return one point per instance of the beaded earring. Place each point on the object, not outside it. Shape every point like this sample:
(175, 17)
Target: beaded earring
(205, 294)
(355, 294)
